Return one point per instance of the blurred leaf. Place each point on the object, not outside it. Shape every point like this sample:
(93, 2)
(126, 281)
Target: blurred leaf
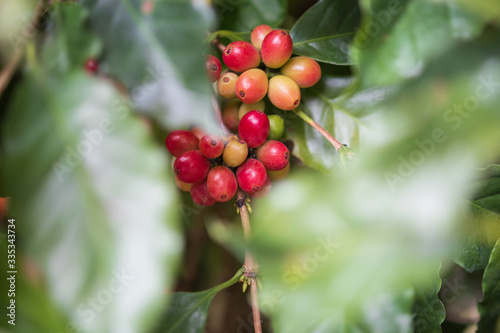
(245, 15)
(395, 42)
(324, 32)
(488, 9)
(15, 28)
(482, 222)
(69, 44)
(102, 211)
(428, 309)
(164, 70)
(489, 308)
(187, 312)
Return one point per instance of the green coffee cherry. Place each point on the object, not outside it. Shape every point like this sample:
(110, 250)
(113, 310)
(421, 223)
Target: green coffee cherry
(277, 127)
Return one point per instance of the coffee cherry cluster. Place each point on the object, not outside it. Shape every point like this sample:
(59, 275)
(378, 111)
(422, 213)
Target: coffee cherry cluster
(248, 79)
(212, 168)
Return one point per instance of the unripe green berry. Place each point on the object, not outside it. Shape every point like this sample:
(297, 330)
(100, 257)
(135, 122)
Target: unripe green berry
(235, 153)
(277, 127)
(283, 92)
(226, 85)
(251, 86)
(305, 71)
(245, 108)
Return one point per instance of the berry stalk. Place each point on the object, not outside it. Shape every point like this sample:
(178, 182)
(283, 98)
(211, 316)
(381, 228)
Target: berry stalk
(251, 267)
(318, 128)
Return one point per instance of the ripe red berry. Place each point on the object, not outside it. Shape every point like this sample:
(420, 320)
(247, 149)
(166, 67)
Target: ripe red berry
(212, 67)
(274, 155)
(211, 146)
(226, 85)
(254, 128)
(221, 183)
(191, 166)
(258, 34)
(283, 92)
(91, 66)
(251, 86)
(264, 190)
(180, 141)
(251, 176)
(277, 48)
(305, 71)
(200, 195)
(240, 56)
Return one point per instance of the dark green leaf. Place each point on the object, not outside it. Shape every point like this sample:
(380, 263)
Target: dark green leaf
(396, 42)
(101, 224)
(164, 69)
(69, 45)
(244, 15)
(489, 308)
(187, 312)
(325, 31)
(428, 309)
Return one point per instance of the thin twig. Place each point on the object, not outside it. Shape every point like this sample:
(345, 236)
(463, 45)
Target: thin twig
(320, 129)
(13, 63)
(251, 267)
(219, 45)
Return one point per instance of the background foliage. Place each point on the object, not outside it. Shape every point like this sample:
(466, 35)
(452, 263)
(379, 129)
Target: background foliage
(405, 240)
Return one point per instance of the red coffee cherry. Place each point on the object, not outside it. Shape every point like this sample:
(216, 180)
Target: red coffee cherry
(305, 71)
(191, 167)
(212, 67)
(226, 85)
(240, 56)
(221, 183)
(251, 176)
(258, 34)
(235, 153)
(274, 155)
(180, 141)
(251, 86)
(230, 115)
(198, 131)
(211, 146)
(200, 195)
(91, 66)
(277, 48)
(283, 92)
(254, 128)
(264, 190)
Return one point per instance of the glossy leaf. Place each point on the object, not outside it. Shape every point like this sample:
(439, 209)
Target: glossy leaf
(489, 308)
(163, 71)
(428, 309)
(325, 31)
(187, 311)
(244, 15)
(395, 42)
(101, 226)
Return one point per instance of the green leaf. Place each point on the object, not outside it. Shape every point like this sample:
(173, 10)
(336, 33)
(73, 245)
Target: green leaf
(395, 42)
(101, 224)
(245, 15)
(324, 32)
(15, 32)
(428, 309)
(187, 311)
(489, 308)
(69, 44)
(164, 70)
